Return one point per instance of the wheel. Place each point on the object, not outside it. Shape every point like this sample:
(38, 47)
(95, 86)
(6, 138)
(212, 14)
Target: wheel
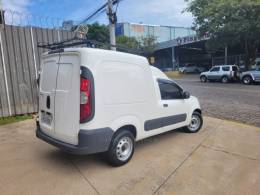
(224, 79)
(247, 80)
(203, 79)
(195, 124)
(121, 148)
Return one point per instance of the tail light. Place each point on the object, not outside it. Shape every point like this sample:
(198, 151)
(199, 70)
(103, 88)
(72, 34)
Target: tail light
(85, 99)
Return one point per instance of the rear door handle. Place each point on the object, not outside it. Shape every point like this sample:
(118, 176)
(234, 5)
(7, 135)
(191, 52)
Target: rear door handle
(165, 105)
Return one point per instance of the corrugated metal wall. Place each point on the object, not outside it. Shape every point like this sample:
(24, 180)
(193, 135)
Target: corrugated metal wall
(19, 63)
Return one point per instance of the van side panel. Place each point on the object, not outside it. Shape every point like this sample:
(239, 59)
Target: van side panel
(123, 83)
(124, 94)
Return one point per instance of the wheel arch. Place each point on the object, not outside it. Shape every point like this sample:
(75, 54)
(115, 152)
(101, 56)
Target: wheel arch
(130, 123)
(198, 110)
(247, 75)
(130, 128)
(225, 75)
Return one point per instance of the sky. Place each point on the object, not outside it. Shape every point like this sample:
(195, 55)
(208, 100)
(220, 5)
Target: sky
(157, 12)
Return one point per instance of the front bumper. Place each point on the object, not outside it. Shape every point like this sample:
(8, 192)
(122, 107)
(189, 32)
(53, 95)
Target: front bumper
(89, 141)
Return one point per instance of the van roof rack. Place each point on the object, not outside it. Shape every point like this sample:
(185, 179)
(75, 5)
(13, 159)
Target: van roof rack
(76, 41)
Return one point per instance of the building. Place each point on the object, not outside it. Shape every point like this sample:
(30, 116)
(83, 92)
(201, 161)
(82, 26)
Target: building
(180, 46)
(162, 33)
(168, 39)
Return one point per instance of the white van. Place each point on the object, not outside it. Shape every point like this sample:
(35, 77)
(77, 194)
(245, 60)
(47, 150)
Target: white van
(94, 100)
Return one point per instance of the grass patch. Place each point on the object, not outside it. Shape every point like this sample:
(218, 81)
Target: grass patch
(14, 119)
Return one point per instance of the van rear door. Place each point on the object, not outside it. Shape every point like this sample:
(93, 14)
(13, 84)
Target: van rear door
(60, 80)
(47, 93)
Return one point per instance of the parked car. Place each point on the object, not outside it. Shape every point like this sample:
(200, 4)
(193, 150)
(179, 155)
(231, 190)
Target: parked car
(223, 73)
(251, 76)
(93, 100)
(191, 69)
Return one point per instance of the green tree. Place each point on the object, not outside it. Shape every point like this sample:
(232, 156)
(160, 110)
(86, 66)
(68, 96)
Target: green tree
(144, 44)
(148, 44)
(98, 32)
(229, 22)
(128, 42)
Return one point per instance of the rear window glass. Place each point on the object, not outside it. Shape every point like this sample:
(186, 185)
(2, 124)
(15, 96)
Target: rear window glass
(234, 68)
(225, 68)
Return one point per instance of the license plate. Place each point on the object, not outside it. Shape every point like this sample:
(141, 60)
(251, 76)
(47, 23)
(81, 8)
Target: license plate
(46, 118)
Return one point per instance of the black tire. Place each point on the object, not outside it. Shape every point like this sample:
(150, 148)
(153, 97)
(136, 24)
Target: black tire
(247, 80)
(113, 154)
(203, 79)
(224, 79)
(195, 116)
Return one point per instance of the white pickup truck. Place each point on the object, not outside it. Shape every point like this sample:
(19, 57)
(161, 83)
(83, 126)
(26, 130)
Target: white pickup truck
(93, 100)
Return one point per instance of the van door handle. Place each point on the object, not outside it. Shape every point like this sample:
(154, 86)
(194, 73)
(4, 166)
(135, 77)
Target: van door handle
(165, 105)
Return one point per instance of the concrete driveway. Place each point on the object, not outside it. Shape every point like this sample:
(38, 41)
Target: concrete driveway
(223, 158)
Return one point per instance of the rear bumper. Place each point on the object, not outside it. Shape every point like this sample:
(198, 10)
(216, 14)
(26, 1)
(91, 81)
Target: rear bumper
(89, 141)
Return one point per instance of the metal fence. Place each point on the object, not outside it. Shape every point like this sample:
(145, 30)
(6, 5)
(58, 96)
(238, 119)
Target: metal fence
(19, 63)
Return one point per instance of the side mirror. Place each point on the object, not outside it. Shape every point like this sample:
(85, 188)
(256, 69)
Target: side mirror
(186, 95)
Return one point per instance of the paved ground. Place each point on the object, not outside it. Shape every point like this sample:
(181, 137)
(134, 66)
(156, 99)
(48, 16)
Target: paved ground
(223, 158)
(233, 101)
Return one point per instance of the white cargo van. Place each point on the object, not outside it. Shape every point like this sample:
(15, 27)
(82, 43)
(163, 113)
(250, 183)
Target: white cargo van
(94, 100)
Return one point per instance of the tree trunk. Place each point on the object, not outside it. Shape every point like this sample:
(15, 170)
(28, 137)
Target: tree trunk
(251, 52)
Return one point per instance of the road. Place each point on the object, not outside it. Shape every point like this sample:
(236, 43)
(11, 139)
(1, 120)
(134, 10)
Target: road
(232, 101)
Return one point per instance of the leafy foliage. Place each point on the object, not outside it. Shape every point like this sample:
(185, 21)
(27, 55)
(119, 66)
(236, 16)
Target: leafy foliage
(148, 43)
(229, 22)
(129, 42)
(98, 32)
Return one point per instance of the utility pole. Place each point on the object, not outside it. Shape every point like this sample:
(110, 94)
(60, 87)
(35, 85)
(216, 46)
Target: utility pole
(2, 20)
(112, 21)
(226, 54)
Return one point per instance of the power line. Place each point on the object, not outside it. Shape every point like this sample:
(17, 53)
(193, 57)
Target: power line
(99, 11)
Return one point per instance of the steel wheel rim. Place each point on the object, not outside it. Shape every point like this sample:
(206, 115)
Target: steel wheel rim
(224, 79)
(203, 79)
(195, 123)
(246, 80)
(124, 148)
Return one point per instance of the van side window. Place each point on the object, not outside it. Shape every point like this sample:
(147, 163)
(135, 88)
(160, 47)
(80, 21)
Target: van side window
(169, 90)
(215, 69)
(225, 68)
